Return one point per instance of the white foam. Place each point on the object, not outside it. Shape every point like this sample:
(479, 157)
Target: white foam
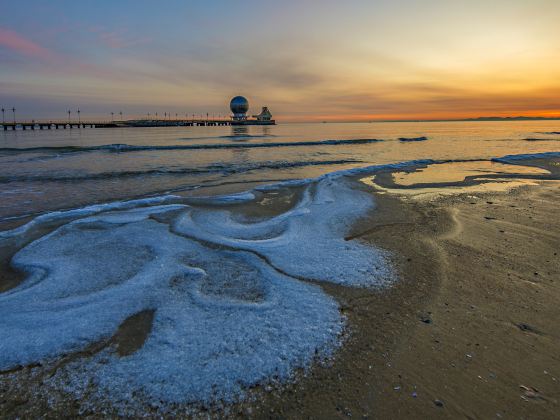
(224, 320)
(307, 241)
(86, 211)
(242, 197)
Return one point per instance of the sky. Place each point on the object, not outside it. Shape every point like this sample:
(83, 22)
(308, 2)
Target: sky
(306, 60)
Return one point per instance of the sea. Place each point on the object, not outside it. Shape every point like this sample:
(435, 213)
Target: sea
(51, 170)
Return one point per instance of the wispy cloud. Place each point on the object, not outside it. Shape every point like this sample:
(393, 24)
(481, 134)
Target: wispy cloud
(21, 45)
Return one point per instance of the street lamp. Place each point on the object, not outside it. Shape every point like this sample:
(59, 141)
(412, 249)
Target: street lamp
(3, 119)
(112, 117)
(14, 112)
(79, 120)
(120, 113)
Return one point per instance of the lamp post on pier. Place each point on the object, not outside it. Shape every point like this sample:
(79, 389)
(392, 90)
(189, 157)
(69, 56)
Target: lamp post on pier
(79, 120)
(3, 119)
(120, 113)
(112, 117)
(14, 112)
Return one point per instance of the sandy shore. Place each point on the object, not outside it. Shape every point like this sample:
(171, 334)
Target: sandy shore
(470, 330)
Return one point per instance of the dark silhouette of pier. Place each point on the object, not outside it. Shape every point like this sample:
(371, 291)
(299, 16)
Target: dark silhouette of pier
(64, 125)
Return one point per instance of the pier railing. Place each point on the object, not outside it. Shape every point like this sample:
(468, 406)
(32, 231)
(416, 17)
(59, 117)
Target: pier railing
(56, 125)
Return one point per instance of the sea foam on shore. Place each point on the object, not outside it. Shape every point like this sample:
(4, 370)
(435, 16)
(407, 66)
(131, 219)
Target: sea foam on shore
(230, 307)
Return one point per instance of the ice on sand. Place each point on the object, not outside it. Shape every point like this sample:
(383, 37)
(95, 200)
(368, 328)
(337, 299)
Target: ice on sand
(225, 317)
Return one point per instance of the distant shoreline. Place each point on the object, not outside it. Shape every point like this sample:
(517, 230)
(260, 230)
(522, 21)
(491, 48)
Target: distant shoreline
(478, 119)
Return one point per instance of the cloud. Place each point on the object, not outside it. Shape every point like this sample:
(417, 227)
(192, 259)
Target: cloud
(17, 43)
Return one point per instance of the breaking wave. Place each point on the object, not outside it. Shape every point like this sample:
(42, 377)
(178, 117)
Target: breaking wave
(513, 158)
(411, 139)
(540, 139)
(121, 148)
(215, 168)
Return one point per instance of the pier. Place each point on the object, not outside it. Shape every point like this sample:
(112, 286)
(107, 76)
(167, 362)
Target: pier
(59, 125)
(238, 105)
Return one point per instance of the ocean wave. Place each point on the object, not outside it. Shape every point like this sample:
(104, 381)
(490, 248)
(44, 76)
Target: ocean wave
(214, 168)
(246, 136)
(539, 139)
(406, 139)
(121, 148)
(231, 137)
(510, 158)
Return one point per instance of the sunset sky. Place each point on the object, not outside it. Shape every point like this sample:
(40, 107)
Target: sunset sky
(306, 60)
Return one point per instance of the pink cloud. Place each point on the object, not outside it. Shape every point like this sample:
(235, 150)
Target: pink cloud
(21, 45)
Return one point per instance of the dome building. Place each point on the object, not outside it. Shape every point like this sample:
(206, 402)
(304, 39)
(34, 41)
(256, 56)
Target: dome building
(239, 106)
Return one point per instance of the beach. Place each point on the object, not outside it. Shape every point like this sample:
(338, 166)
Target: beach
(467, 330)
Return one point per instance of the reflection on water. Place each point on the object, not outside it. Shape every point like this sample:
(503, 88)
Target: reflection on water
(458, 171)
(449, 178)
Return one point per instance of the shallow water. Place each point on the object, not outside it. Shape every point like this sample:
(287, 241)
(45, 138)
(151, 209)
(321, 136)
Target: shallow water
(42, 171)
(458, 171)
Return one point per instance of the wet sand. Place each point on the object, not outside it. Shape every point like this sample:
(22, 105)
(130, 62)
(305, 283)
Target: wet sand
(470, 329)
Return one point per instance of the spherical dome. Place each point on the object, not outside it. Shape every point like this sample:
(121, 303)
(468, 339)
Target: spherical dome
(239, 105)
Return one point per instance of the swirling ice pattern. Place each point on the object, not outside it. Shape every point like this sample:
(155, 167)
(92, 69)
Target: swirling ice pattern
(226, 317)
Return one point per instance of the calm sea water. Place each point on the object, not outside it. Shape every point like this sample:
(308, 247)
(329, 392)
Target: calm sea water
(43, 171)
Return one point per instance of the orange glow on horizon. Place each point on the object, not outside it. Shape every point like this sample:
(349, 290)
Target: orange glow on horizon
(419, 116)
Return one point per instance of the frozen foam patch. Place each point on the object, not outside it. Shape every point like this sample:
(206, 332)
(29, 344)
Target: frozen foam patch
(228, 311)
(223, 320)
(306, 241)
(242, 197)
(86, 211)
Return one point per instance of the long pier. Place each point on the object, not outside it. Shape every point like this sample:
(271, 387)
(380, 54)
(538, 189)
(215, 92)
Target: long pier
(60, 125)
